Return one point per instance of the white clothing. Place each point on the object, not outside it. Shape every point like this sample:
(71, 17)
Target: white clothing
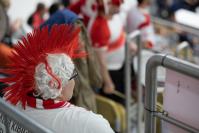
(70, 119)
(128, 5)
(114, 58)
(87, 8)
(137, 20)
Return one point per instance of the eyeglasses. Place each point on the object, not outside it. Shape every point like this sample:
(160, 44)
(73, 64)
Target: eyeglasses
(74, 75)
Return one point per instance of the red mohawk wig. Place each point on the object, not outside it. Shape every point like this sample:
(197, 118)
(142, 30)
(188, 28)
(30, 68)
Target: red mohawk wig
(33, 50)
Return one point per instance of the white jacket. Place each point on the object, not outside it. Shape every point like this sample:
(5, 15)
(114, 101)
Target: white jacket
(70, 119)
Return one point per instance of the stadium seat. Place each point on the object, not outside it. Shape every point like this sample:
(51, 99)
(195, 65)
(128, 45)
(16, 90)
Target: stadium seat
(113, 112)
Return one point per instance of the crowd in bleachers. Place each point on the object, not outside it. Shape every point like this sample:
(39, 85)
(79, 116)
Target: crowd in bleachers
(104, 27)
(167, 9)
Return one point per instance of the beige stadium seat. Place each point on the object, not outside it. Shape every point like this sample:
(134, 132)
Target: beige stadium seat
(113, 112)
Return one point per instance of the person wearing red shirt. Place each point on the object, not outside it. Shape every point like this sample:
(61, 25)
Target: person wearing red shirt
(108, 37)
(37, 18)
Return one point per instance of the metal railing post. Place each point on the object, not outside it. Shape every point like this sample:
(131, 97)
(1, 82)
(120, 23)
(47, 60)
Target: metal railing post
(128, 85)
(151, 87)
(151, 93)
(139, 85)
(128, 77)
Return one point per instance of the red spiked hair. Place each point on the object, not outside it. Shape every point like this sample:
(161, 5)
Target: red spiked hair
(33, 50)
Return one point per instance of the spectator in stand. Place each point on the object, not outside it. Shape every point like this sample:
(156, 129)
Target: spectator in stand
(46, 84)
(139, 19)
(84, 8)
(190, 5)
(66, 3)
(37, 18)
(108, 38)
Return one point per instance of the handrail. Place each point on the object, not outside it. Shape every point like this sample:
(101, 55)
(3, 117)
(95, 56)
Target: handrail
(24, 120)
(170, 24)
(172, 63)
(174, 122)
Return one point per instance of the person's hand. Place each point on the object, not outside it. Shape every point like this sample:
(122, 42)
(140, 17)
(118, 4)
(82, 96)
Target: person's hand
(109, 88)
(133, 48)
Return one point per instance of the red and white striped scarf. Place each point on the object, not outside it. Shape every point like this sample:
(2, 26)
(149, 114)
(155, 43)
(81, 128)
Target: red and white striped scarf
(46, 104)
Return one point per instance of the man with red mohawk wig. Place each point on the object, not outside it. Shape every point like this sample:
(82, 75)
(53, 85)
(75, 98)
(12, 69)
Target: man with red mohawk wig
(42, 81)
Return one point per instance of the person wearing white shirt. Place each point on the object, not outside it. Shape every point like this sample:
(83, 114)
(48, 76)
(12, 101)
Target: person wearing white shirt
(43, 81)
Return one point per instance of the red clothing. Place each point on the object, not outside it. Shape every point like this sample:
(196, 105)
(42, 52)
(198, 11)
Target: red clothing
(76, 7)
(85, 8)
(5, 53)
(37, 20)
(109, 34)
(99, 32)
(146, 25)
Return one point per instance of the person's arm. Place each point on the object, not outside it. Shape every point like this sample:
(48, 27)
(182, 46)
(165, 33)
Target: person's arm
(108, 83)
(100, 36)
(133, 47)
(147, 32)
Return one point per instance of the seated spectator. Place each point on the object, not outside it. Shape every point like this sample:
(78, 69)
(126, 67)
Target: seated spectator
(43, 81)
